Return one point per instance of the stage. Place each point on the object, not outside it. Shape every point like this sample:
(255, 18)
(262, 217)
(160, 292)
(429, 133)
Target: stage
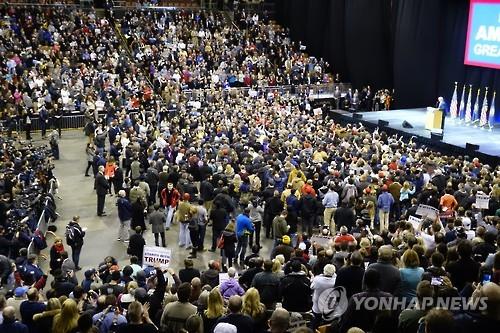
(455, 135)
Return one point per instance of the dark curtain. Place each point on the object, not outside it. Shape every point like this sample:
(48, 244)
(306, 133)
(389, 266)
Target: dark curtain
(414, 46)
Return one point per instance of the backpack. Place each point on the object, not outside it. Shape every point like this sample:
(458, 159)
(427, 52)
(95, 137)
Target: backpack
(70, 235)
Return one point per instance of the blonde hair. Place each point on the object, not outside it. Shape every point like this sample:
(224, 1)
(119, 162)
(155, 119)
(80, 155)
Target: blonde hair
(276, 266)
(67, 320)
(251, 303)
(215, 306)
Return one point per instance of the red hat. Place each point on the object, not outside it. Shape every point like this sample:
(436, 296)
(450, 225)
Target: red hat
(186, 196)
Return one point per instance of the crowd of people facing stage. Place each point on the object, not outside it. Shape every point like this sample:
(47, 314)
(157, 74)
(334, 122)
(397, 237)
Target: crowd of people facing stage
(248, 167)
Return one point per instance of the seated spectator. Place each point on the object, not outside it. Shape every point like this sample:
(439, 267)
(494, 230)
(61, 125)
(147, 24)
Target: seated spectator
(253, 308)
(67, 320)
(436, 269)
(231, 286)
(319, 284)
(344, 237)
(139, 320)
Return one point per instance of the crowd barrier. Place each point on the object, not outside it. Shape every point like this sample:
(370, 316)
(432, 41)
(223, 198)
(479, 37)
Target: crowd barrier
(43, 223)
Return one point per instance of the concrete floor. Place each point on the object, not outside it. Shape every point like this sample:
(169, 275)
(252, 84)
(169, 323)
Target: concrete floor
(78, 198)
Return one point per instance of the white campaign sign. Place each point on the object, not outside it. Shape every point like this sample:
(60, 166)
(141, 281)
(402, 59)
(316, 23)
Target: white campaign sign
(482, 201)
(156, 254)
(415, 222)
(322, 240)
(427, 211)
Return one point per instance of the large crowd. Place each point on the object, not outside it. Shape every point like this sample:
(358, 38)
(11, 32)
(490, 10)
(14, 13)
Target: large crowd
(341, 205)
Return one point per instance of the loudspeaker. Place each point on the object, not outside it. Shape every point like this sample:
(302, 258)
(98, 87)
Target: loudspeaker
(471, 146)
(436, 136)
(407, 124)
(382, 123)
(357, 115)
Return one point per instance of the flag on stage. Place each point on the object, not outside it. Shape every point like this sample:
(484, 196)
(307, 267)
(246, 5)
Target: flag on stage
(468, 108)
(475, 113)
(484, 110)
(491, 121)
(461, 112)
(454, 106)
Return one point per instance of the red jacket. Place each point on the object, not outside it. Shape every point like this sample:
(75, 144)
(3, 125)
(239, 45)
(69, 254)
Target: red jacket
(170, 199)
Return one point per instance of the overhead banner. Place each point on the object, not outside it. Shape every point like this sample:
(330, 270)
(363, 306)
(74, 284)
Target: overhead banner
(483, 34)
(156, 254)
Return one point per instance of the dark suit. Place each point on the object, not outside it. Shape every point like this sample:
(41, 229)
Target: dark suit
(101, 188)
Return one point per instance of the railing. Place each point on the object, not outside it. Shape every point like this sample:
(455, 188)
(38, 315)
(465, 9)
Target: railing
(42, 225)
(313, 90)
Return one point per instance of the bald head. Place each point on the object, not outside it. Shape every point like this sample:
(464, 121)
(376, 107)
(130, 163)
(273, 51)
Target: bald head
(492, 292)
(279, 321)
(9, 313)
(234, 304)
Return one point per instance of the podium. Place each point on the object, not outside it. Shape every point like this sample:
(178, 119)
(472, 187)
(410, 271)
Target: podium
(434, 120)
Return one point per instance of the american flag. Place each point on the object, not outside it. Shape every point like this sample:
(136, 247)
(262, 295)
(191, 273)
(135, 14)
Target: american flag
(475, 113)
(491, 121)
(454, 102)
(461, 112)
(484, 110)
(468, 108)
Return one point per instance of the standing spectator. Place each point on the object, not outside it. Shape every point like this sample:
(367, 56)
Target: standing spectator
(243, 323)
(244, 228)
(157, 221)
(351, 275)
(267, 283)
(295, 288)
(10, 323)
(139, 321)
(55, 254)
(188, 273)
(465, 270)
(344, 216)
(29, 308)
(253, 308)
(169, 197)
(231, 286)
(319, 284)
(90, 154)
(184, 215)
(67, 320)
(330, 202)
(411, 274)
(308, 211)
(219, 218)
(384, 204)
(108, 317)
(229, 240)
(215, 310)
(136, 244)
(202, 220)
(256, 215)
(124, 215)
(175, 314)
(74, 238)
(391, 276)
(44, 321)
(101, 188)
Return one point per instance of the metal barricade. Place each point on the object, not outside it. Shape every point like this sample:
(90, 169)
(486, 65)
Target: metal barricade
(42, 226)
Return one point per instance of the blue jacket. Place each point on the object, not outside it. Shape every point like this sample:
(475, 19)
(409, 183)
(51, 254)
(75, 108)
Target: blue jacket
(385, 201)
(243, 223)
(124, 209)
(13, 327)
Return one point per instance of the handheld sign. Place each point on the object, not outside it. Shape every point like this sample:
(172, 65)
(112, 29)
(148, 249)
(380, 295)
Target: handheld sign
(427, 211)
(156, 254)
(482, 201)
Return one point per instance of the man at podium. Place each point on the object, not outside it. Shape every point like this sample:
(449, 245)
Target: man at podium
(442, 105)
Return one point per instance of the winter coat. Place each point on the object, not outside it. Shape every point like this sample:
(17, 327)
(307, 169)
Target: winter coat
(124, 209)
(231, 287)
(157, 221)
